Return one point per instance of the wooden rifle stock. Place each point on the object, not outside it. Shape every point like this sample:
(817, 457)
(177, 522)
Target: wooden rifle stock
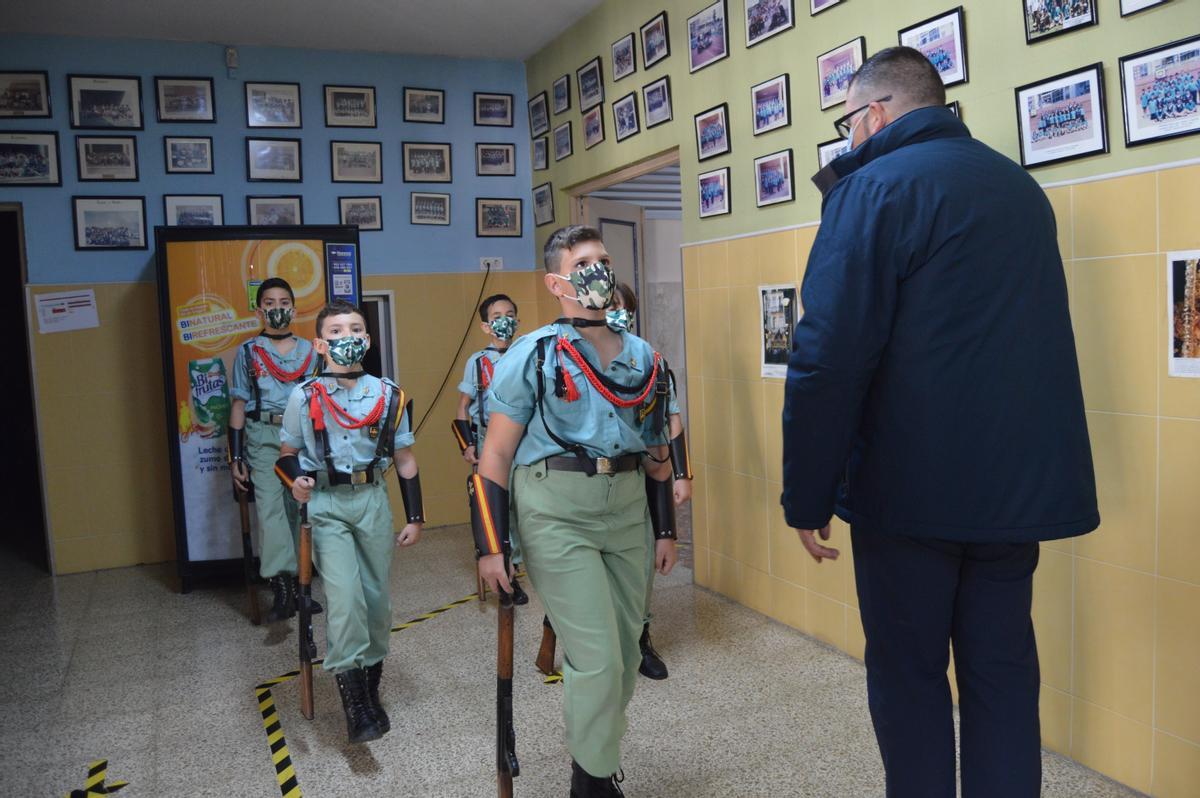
(308, 648)
(248, 556)
(545, 657)
(507, 767)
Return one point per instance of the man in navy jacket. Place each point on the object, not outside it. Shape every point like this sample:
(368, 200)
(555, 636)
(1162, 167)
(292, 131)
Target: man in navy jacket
(933, 402)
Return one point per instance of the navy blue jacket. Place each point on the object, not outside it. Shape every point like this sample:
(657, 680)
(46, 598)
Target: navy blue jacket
(933, 388)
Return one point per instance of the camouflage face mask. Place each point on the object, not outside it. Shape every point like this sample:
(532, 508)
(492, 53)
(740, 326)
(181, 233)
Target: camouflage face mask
(594, 285)
(348, 351)
(619, 320)
(278, 318)
(504, 327)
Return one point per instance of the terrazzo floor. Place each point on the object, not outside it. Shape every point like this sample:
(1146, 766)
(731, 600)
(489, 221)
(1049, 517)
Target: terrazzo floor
(115, 665)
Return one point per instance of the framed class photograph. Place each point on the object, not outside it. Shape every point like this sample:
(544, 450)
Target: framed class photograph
(273, 211)
(543, 205)
(1129, 7)
(356, 161)
(817, 6)
(1045, 19)
(624, 57)
(943, 40)
(708, 37)
(424, 106)
(427, 208)
(495, 159)
(426, 162)
(541, 153)
(625, 116)
(769, 103)
(657, 96)
(272, 104)
(193, 210)
(561, 91)
(493, 110)
(773, 178)
(765, 18)
(1160, 92)
(714, 192)
(29, 158)
(273, 160)
(591, 84)
(656, 41)
(563, 146)
(712, 132)
(828, 150)
(24, 95)
(835, 69)
(1062, 118)
(188, 155)
(350, 106)
(593, 127)
(109, 222)
(185, 99)
(103, 102)
(539, 115)
(497, 217)
(365, 213)
(106, 158)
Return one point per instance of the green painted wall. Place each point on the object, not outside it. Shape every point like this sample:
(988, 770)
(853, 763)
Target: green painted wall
(998, 60)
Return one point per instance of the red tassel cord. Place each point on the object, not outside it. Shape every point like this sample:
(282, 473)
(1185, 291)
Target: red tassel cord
(320, 397)
(265, 361)
(573, 392)
(488, 368)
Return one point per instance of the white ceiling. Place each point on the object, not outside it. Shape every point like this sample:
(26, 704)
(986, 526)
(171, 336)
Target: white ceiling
(504, 29)
(657, 192)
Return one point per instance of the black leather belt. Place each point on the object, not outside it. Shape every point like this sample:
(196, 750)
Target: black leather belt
(366, 477)
(603, 465)
(275, 419)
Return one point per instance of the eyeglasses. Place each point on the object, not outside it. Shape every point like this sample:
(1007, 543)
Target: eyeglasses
(842, 123)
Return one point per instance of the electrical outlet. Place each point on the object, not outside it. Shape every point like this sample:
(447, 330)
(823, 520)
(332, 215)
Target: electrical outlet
(493, 263)
(231, 58)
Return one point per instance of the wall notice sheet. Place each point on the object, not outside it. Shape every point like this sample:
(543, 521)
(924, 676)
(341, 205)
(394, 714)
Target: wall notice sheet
(62, 311)
(1183, 313)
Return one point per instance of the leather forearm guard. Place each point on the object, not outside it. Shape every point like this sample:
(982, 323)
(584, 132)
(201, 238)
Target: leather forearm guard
(410, 492)
(661, 500)
(681, 457)
(463, 434)
(237, 445)
(489, 515)
(287, 468)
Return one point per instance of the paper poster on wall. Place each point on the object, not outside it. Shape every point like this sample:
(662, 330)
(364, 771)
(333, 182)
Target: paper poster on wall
(342, 260)
(779, 304)
(62, 311)
(1183, 313)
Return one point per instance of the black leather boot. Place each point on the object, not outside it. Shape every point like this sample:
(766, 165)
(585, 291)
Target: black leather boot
(519, 594)
(317, 609)
(585, 785)
(652, 666)
(284, 605)
(361, 726)
(374, 675)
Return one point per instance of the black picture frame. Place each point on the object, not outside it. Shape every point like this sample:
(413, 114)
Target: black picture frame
(751, 39)
(784, 81)
(167, 208)
(1034, 38)
(539, 124)
(790, 177)
(813, 10)
(616, 57)
(651, 55)
(838, 146)
(1131, 105)
(549, 192)
(75, 209)
(331, 115)
(590, 100)
(570, 150)
(1140, 8)
(507, 100)
(722, 111)
(480, 204)
(960, 24)
(693, 67)
(596, 114)
(15, 139)
(1099, 103)
(540, 161)
(424, 118)
(166, 116)
(665, 82)
(860, 56)
(174, 169)
(412, 208)
(629, 101)
(250, 169)
(42, 110)
(344, 219)
(335, 175)
(723, 174)
(127, 143)
(250, 85)
(955, 107)
(563, 83)
(411, 177)
(250, 198)
(76, 81)
(511, 150)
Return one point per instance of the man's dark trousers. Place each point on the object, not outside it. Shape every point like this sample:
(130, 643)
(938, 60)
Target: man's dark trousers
(917, 595)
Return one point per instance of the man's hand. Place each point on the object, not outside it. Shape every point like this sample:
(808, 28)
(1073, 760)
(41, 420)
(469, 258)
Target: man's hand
(241, 475)
(469, 455)
(409, 535)
(809, 538)
(665, 555)
(302, 489)
(683, 491)
(491, 570)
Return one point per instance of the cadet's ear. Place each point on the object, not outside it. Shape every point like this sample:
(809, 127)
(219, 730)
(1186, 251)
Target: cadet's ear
(552, 283)
(320, 346)
(485, 327)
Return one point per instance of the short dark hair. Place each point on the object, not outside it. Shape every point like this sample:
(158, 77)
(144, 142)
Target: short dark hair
(628, 298)
(336, 308)
(485, 307)
(567, 238)
(269, 283)
(903, 72)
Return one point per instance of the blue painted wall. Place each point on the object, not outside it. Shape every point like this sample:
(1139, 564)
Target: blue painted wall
(399, 248)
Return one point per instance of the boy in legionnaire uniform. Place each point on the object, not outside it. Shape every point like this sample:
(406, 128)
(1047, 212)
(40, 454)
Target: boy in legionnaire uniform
(265, 370)
(341, 431)
(579, 410)
(498, 320)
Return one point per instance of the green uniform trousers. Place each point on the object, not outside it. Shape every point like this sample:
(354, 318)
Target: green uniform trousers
(278, 513)
(584, 540)
(353, 543)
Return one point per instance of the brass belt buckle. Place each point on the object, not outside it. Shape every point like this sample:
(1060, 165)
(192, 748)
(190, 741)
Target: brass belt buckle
(358, 478)
(606, 466)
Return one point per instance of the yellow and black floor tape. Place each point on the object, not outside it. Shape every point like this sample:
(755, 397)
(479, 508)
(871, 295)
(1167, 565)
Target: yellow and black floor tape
(95, 782)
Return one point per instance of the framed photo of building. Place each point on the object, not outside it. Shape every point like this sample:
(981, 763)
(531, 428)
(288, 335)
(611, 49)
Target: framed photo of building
(424, 106)
(656, 40)
(274, 211)
(591, 84)
(106, 158)
(24, 95)
(1160, 92)
(497, 217)
(188, 155)
(494, 159)
(539, 116)
(593, 127)
(562, 94)
(1129, 7)
(427, 208)
(658, 101)
(29, 158)
(765, 18)
(625, 116)
(714, 192)
(493, 110)
(817, 6)
(712, 132)
(105, 102)
(185, 99)
(273, 159)
(779, 304)
(543, 205)
(943, 40)
(708, 37)
(350, 106)
(562, 141)
(835, 69)
(770, 104)
(773, 178)
(272, 104)
(1062, 118)
(356, 161)
(426, 162)
(541, 157)
(365, 213)
(624, 57)
(829, 150)
(109, 222)
(1045, 19)
(193, 210)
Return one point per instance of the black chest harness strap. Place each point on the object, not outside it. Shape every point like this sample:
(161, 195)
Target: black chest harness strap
(384, 431)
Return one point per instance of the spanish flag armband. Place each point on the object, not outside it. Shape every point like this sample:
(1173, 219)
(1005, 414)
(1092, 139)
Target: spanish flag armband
(489, 515)
(464, 436)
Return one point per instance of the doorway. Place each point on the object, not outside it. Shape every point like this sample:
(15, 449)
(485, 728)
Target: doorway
(381, 357)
